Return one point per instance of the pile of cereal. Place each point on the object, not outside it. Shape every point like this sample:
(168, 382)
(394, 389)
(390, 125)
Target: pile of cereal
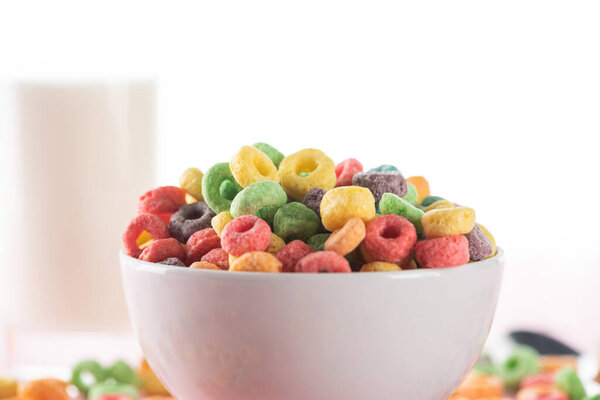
(266, 212)
(525, 375)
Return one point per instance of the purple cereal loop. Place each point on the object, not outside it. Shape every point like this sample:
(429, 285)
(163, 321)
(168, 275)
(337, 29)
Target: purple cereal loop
(313, 199)
(190, 219)
(380, 182)
(176, 262)
(479, 245)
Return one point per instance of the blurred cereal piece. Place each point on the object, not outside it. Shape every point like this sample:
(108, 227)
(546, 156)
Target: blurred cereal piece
(8, 388)
(44, 389)
(150, 384)
(479, 386)
(552, 363)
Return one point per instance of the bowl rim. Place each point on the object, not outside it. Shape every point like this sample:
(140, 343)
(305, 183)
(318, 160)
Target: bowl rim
(423, 273)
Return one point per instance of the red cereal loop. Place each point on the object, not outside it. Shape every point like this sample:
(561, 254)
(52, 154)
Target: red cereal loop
(291, 253)
(446, 251)
(162, 200)
(138, 224)
(217, 256)
(346, 170)
(200, 243)
(542, 379)
(389, 238)
(161, 249)
(323, 261)
(244, 234)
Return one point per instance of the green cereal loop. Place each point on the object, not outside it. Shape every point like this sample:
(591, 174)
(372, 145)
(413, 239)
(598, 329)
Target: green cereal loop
(566, 379)
(121, 372)
(90, 366)
(100, 389)
(218, 194)
(275, 155)
(267, 213)
(392, 204)
(522, 362)
(429, 200)
(257, 196)
(384, 167)
(412, 196)
(295, 221)
(317, 242)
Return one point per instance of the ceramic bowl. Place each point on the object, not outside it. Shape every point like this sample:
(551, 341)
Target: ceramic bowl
(217, 335)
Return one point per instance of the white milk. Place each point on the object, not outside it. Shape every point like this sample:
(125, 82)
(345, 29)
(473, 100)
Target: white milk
(76, 157)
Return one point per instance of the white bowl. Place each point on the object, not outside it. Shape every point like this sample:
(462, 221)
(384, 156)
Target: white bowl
(215, 335)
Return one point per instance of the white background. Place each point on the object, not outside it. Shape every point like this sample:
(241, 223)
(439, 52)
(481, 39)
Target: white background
(496, 103)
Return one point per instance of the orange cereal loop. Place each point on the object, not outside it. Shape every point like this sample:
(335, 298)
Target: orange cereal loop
(204, 265)
(44, 389)
(256, 261)
(347, 238)
(552, 363)
(422, 187)
(480, 386)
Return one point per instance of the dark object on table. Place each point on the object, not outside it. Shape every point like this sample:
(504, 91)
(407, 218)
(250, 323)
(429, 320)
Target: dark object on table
(542, 343)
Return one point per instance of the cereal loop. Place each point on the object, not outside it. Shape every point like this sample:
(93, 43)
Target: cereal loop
(275, 155)
(256, 261)
(189, 219)
(8, 388)
(382, 182)
(149, 223)
(162, 249)
(380, 266)
(313, 199)
(191, 182)
(490, 238)
(250, 165)
(317, 242)
(438, 205)
(257, 196)
(389, 238)
(479, 245)
(347, 238)
(245, 234)
(44, 389)
(448, 222)
(323, 261)
(218, 257)
(296, 221)
(276, 244)
(200, 243)
(219, 221)
(162, 200)
(346, 170)
(320, 169)
(422, 187)
(548, 392)
(204, 265)
(447, 251)
(293, 252)
(479, 386)
(219, 187)
(341, 204)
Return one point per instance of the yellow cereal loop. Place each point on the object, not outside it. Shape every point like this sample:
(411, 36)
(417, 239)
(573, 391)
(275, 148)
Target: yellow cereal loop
(276, 244)
(8, 388)
(232, 259)
(448, 222)
(256, 261)
(379, 266)
(304, 170)
(219, 221)
(479, 386)
(490, 238)
(438, 205)
(342, 203)
(250, 165)
(43, 389)
(191, 182)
